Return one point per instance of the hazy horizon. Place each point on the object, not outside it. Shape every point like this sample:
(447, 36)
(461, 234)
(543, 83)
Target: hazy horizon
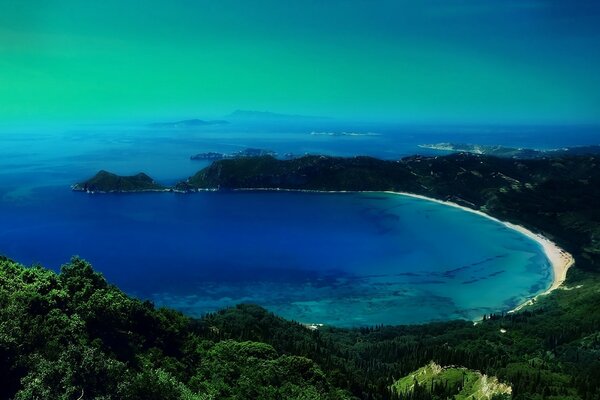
(463, 62)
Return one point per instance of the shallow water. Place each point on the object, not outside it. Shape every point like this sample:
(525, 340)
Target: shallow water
(341, 259)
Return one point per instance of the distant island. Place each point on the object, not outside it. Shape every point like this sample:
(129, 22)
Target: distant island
(241, 117)
(188, 123)
(510, 152)
(313, 133)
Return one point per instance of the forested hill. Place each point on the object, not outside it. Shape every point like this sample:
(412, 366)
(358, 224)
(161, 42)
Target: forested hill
(557, 196)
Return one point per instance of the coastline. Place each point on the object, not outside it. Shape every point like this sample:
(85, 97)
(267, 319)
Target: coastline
(560, 260)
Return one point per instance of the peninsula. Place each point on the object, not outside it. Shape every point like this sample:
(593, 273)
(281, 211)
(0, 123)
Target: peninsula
(511, 152)
(249, 152)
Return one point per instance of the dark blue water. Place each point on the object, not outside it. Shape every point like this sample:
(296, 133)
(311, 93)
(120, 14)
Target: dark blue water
(343, 259)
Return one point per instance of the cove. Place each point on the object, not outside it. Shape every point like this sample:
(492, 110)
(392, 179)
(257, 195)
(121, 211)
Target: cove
(343, 259)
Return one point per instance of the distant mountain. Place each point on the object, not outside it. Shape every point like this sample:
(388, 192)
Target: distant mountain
(188, 123)
(266, 116)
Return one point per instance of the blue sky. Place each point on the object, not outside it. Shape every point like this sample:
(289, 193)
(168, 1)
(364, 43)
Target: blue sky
(430, 61)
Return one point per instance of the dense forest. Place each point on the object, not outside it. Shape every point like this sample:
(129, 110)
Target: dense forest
(73, 335)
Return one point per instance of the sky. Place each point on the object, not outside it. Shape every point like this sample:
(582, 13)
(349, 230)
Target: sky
(421, 61)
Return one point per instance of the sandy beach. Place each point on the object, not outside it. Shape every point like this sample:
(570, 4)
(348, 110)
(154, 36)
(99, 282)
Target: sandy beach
(560, 260)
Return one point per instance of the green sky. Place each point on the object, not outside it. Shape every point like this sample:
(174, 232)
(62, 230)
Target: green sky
(493, 61)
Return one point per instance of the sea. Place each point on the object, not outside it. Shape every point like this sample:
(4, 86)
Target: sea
(341, 259)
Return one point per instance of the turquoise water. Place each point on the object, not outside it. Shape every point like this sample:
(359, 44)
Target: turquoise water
(340, 259)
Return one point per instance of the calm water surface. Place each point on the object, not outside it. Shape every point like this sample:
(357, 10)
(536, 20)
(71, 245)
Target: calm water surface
(342, 259)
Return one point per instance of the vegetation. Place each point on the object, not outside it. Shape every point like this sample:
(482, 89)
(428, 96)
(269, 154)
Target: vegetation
(72, 335)
(461, 382)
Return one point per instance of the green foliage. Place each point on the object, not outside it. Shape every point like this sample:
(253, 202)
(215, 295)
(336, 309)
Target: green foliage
(72, 334)
(549, 350)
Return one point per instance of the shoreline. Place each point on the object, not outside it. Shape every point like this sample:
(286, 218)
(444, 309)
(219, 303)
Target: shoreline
(560, 260)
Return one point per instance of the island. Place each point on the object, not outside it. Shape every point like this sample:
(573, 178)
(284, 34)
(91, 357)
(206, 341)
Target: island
(107, 182)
